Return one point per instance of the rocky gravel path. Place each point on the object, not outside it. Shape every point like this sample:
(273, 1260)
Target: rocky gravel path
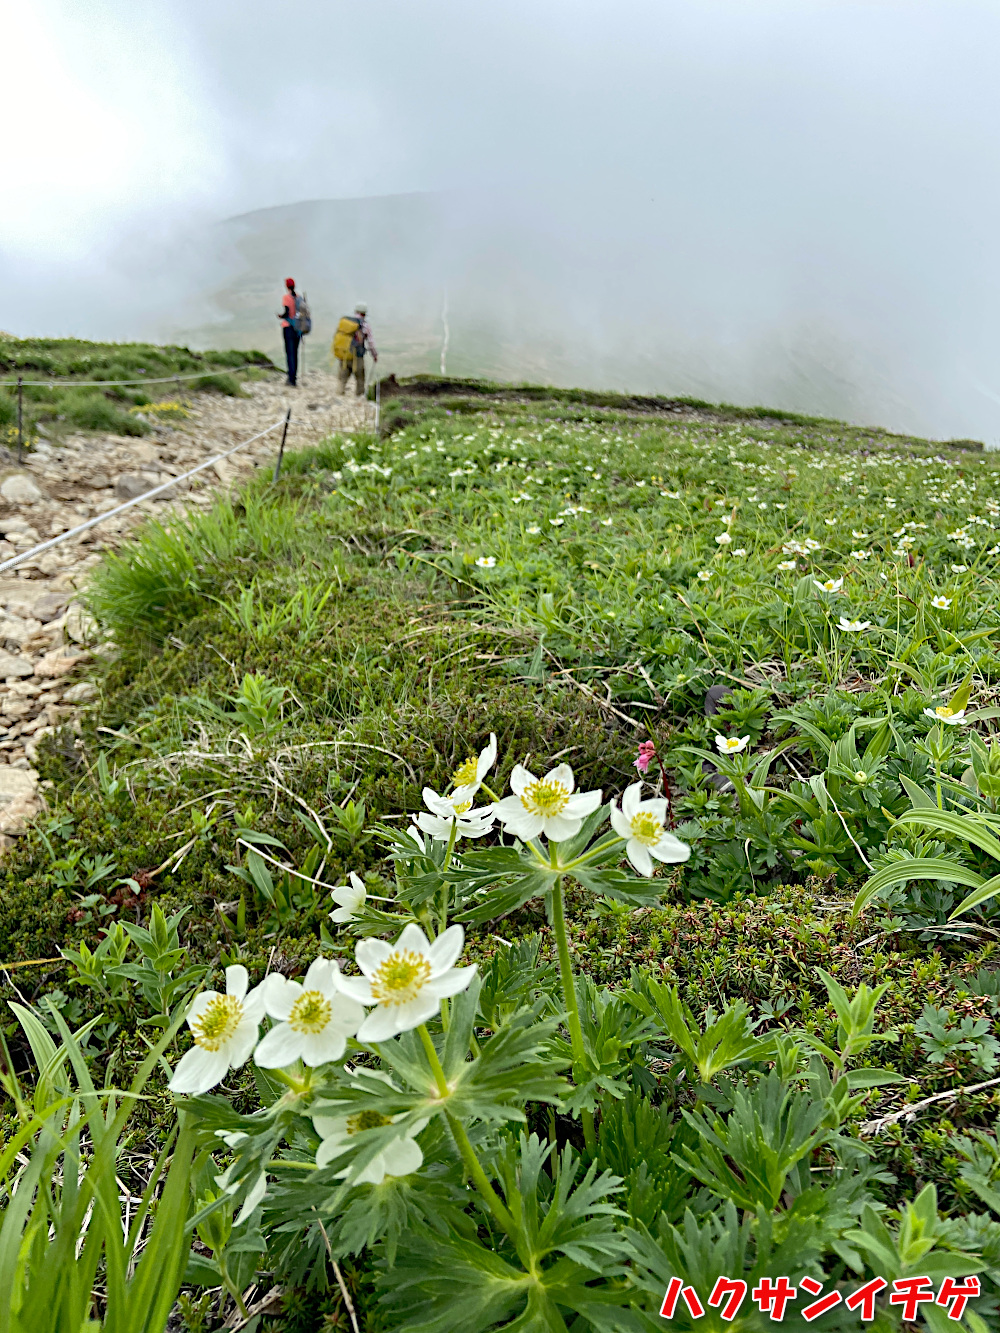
(45, 637)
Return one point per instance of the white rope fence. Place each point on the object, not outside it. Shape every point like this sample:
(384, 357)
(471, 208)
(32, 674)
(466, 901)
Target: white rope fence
(22, 556)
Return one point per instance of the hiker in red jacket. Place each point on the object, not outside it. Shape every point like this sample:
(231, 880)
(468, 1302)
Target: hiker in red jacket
(290, 329)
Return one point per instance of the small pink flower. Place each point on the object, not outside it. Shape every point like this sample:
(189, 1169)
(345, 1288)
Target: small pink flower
(647, 752)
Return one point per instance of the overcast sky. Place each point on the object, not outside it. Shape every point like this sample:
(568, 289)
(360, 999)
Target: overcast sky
(834, 161)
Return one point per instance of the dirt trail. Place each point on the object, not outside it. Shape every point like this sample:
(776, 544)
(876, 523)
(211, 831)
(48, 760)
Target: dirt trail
(44, 637)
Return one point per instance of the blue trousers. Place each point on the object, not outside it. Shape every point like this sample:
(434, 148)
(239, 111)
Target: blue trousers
(291, 352)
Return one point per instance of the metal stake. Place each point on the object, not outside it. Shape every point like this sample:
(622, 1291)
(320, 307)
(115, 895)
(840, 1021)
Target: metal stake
(20, 420)
(281, 446)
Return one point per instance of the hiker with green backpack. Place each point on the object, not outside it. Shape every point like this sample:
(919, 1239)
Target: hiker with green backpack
(352, 339)
(296, 322)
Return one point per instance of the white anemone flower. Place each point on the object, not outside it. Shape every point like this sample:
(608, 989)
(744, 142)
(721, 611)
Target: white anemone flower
(860, 555)
(406, 980)
(225, 1030)
(315, 1018)
(472, 771)
(454, 810)
(546, 805)
(704, 575)
(960, 569)
(945, 714)
(534, 530)
(829, 585)
(853, 626)
(401, 1157)
(786, 566)
(724, 539)
(486, 561)
(858, 535)
(350, 898)
(641, 824)
(731, 744)
(942, 603)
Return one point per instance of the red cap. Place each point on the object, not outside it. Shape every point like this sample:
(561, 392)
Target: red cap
(289, 282)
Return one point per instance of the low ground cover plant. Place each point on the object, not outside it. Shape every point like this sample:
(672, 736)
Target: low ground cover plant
(552, 846)
(121, 409)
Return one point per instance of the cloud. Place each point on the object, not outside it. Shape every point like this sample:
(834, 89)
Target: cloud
(790, 197)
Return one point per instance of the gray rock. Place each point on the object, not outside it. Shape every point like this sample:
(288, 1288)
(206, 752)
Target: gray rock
(43, 606)
(11, 665)
(16, 783)
(20, 490)
(79, 694)
(129, 487)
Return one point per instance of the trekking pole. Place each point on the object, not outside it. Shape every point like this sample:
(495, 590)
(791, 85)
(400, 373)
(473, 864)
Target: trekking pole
(378, 385)
(281, 446)
(20, 420)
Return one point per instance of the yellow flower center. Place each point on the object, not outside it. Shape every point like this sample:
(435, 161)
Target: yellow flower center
(311, 1012)
(545, 798)
(217, 1022)
(466, 774)
(366, 1120)
(646, 828)
(401, 978)
(460, 807)
(944, 711)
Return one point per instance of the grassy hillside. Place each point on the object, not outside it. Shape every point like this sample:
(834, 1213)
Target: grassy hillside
(795, 620)
(52, 409)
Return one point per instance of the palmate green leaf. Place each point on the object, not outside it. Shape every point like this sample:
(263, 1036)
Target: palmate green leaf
(619, 886)
(506, 898)
(727, 1041)
(357, 1217)
(568, 1259)
(748, 1155)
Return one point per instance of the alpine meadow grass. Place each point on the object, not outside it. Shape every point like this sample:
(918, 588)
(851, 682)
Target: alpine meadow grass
(552, 846)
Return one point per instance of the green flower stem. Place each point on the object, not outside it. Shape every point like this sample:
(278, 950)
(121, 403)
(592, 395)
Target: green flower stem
(572, 1006)
(452, 837)
(480, 1179)
(464, 1144)
(231, 1286)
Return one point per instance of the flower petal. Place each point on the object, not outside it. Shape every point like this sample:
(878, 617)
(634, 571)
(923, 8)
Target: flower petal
(487, 759)
(519, 779)
(237, 980)
(280, 993)
(356, 988)
(320, 976)
(582, 804)
(639, 856)
(198, 1071)
(280, 1047)
(241, 1044)
(320, 1048)
(631, 800)
(670, 849)
(402, 1157)
(620, 822)
(380, 1024)
(563, 774)
(557, 828)
(446, 950)
(412, 940)
(523, 825)
(450, 983)
(371, 954)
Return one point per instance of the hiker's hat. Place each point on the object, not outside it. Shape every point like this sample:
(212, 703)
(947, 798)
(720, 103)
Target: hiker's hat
(289, 282)
(361, 309)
